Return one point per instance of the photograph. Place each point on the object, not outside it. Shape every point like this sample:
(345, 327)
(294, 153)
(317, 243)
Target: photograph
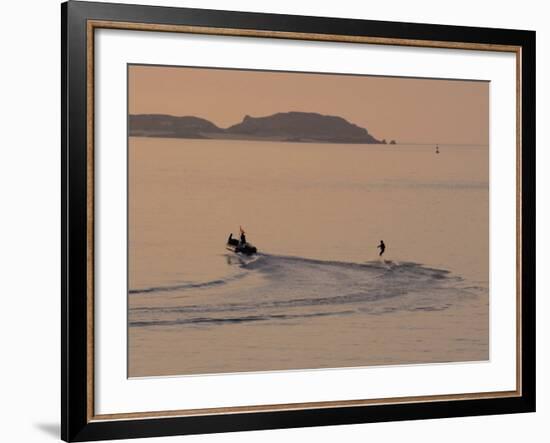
(284, 220)
(288, 218)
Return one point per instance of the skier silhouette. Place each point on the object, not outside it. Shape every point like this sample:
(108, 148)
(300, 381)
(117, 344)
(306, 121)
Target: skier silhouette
(382, 247)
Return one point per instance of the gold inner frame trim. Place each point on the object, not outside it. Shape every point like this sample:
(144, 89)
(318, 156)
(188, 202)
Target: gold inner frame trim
(92, 25)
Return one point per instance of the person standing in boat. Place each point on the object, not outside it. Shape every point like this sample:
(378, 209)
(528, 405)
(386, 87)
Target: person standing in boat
(382, 247)
(243, 236)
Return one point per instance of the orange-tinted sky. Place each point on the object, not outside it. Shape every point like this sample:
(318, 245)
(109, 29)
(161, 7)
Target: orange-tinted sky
(405, 109)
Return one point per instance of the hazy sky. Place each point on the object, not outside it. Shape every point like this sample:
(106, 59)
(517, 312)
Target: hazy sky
(407, 110)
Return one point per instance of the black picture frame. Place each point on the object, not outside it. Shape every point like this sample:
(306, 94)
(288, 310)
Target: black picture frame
(76, 422)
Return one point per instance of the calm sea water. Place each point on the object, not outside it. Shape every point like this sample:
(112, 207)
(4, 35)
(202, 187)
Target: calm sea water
(317, 295)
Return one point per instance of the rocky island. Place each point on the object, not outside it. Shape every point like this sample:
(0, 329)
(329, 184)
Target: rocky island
(284, 126)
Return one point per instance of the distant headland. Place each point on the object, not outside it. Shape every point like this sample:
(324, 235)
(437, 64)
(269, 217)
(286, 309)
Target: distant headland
(300, 127)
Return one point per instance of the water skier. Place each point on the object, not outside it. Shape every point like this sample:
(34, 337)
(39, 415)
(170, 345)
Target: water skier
(382, 247)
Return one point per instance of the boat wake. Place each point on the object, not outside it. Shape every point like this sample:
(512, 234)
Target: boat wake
(284, 290)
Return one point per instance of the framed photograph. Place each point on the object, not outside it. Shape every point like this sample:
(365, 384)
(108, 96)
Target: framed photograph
(275, 221)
